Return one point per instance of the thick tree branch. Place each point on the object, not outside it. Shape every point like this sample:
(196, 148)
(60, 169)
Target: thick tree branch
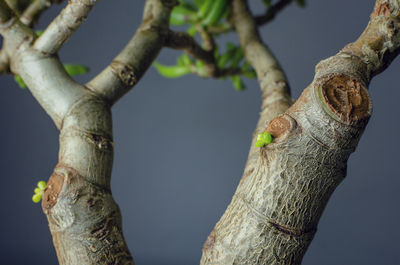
(42, 73)
(64, 25)
(271, 12)
(274, 213)
(132, 62)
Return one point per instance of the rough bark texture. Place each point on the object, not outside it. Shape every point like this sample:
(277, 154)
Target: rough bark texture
(274, 213)
(84, 220)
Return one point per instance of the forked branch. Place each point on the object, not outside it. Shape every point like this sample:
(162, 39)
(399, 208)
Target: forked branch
(132, 62)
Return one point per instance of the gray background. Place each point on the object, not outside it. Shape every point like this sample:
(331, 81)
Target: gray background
(181, 145)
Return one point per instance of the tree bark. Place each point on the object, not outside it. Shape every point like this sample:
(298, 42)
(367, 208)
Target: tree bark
(275, 210)
(84, 220)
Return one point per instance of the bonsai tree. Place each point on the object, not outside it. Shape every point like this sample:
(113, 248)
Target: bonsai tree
(299, 150)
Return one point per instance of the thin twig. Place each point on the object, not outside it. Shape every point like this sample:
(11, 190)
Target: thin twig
(183, 41)
(271, 12)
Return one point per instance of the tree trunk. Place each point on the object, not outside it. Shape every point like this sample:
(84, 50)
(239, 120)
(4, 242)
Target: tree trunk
(275, 210)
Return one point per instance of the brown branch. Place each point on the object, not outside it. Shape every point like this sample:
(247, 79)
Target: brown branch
(271, 12)
(183, 41)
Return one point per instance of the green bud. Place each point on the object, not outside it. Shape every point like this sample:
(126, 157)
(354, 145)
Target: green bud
(36, 198)
(42, 184)
(38, 190)
(259, 143)
(76, 69)
(267, 138)
(19, 81)
(263, 139)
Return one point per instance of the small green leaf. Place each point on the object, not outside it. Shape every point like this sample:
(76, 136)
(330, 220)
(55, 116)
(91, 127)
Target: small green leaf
(36, 198)
(216, 13)
(205, 8)
(200, 69)
(173, 71)
(248, 70)
(76, 69)
(237, 83)
(38, 190)
(237, 57)
(183, 60)
(39, 32)
(181, 15)
(19, 81)
(225, 58)
(42, 184)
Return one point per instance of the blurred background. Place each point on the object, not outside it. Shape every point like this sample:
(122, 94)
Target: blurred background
(181, 145)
